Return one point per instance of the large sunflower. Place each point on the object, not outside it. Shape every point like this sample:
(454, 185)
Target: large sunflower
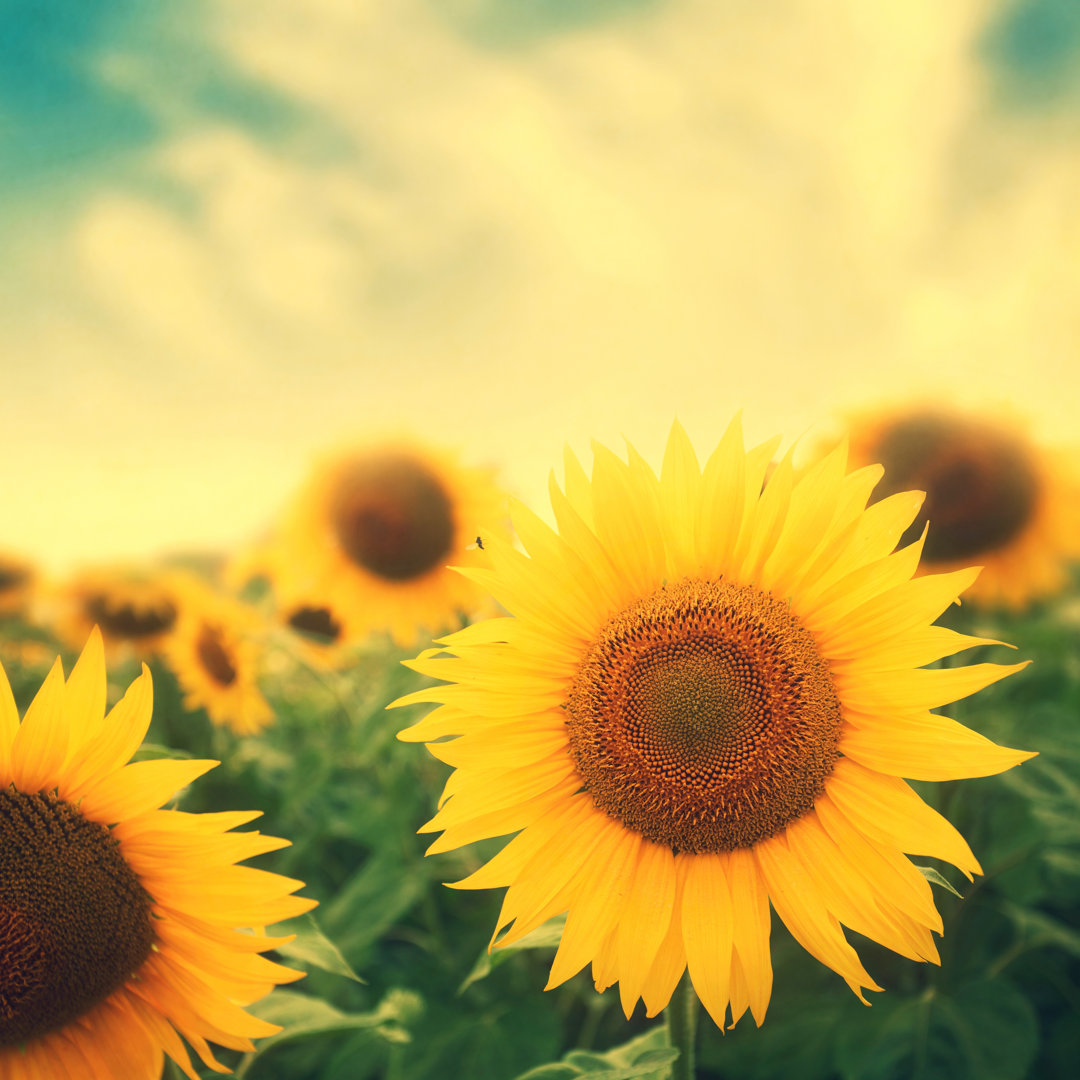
(702, 704)
(214, 654)
(993, 496)
(118, 920)
(375, 529)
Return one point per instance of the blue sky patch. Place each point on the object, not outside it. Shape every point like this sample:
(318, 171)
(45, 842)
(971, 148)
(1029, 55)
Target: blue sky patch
(1033, 48)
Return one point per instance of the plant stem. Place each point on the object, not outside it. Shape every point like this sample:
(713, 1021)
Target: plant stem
(681, 1015)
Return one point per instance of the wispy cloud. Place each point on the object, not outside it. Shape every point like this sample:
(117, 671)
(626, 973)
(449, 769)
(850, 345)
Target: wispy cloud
(513, 232)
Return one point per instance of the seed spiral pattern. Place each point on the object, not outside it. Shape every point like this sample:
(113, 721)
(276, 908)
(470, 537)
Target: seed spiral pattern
(980, 483)
(704, 717)
(74, 920)
(392, 517)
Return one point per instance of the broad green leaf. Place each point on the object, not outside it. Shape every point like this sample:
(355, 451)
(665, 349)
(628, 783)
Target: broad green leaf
(312, 948)
(304, 1017)
(543, 937)
(648, 1057)
(550, 1072)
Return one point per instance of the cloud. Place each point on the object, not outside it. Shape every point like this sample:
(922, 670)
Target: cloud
(581, 229)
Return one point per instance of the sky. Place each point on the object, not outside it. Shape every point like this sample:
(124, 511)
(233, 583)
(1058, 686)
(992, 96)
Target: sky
(236, 234)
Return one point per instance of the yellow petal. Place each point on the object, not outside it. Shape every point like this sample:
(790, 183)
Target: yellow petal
(544, 887)
(134, 789)
(845, 889)
(707, 926)
(645, 920)
(40, 745)
(599, 903)
(113, 739)
(913, 649)
(500, 822)
(906, 607)
(921, 688)
(670, 961)
(877, 533)
(84, 692)
(496, 789)
(927, 747)
(750, 914)
(764, 523)
(886, 809)
(627, 522)
(800, 907)
(680, 500)
(723, 502)
(9, 727)
(738, 990)
(808, 524)
(827, 610)
(890, 873)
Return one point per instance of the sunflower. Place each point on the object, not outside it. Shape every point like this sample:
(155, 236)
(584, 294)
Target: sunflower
(375, 529)
(17, 577)
(135, 608)
(215, 656)
(118, 919)
(993, 497)
(703, 704)
(319, 630)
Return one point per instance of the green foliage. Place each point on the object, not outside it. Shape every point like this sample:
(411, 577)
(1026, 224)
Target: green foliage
(980, 1031)
(648, 1057)
(401, 984)
(936, 877)
(543, 937)
(312, 948)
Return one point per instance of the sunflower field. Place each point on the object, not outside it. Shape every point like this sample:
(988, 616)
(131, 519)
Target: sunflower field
(707, 740)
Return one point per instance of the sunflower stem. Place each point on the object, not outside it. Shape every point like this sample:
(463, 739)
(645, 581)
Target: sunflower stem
(681, 1016)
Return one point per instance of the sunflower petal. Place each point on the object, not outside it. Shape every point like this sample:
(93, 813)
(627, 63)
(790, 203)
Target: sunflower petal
(708, 929)
(40, 745)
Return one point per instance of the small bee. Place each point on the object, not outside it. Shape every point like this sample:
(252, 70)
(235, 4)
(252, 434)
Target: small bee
(480, 543)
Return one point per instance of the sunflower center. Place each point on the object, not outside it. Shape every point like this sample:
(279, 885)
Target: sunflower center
(981, 487)
(393, 518)
(317, 623)
(12, 577)
(704, 717)
(214, 657)
(128, 620)
(74, 920)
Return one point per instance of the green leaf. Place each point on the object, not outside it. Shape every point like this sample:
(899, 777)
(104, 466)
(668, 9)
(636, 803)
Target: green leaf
(543, 937)
(585, 1060)
(1067, 862)
(936, 878)
(645, 1058)
(1035, 929)
(153, 751)
(504, 1039)
(984, 1031)
(304, 1017)
(312, 948)
(550, 1072)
